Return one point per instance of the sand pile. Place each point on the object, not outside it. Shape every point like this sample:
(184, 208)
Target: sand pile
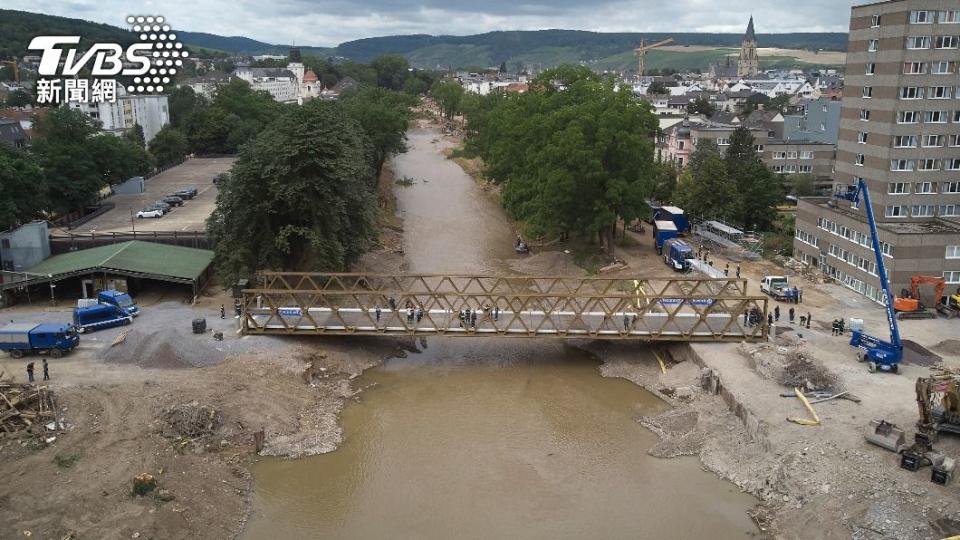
(948, 346)
(167, 348)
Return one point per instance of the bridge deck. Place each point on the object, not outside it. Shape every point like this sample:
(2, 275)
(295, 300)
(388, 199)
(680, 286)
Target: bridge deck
(594, 308)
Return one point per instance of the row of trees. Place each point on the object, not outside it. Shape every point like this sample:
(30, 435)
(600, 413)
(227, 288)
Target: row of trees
(573, 155)
(302, 194)
(67, 166)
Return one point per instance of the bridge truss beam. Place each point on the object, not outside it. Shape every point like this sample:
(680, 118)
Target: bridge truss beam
(508, 306)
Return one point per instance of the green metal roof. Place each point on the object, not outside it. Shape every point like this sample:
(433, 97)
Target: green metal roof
(155, 260)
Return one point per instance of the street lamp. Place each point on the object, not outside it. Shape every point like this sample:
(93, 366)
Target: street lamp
(53, 299)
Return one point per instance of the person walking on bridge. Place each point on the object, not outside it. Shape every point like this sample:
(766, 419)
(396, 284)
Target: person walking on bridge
(392, 302)
(626, 322)
(738, 271)
(377, 311)
(473, 319)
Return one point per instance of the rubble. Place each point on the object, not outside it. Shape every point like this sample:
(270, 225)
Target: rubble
(29, 407)
(192, 420)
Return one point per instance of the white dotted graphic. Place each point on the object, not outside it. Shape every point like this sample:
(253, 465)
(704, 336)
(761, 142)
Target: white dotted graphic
(167, 52)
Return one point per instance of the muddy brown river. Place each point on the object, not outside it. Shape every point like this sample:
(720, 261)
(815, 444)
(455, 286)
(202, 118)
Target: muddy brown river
(486, 437)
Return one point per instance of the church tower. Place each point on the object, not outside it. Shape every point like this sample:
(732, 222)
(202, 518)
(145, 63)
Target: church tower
(749, 63)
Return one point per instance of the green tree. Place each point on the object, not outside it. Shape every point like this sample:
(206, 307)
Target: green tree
(779, 103)
(135, 135)
(383, 115)
(449, 96)
(329, 80)
(182, 102)
(168, 146)
(701, 105)
(23, 194)
(802, 185)
(19, 98)
(391, 71)
(664, 181)
(657, 87)
(299, 197)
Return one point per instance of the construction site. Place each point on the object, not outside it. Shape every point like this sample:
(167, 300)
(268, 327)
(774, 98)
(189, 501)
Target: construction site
(301, 414)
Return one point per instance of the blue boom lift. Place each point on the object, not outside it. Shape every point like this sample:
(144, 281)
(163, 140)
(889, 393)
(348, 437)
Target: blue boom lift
(882, 355)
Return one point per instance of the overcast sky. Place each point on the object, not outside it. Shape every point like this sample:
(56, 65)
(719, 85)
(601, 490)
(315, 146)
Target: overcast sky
(329, 22)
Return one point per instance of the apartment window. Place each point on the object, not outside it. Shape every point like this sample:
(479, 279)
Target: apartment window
(918, 42)
(925, 188)
(871, 68)
(949, 210)
(951, 277)
(935, 117)
(875, 21)
(778, 168)
(953, 140)
(929, 164)
(859, 160)
(895, 211)
(898, 188)
(901, 164)
(823, 126)
(923, 210)
(723, 142)
(790, 169)
(868, 91)
(911, 92)
(904, 141)
(679, 145)
(779, 155)
(872, 45)
(953, 252)
(805, 169)
(949, 17)
(956, 116)
(865, 115)
(950, 187)
(952, 164)
(946, 42)
(806, 154)
(862, 137)
(932, 141)
(759, 148)
(942, 68)
(921, 17)
(941, 92)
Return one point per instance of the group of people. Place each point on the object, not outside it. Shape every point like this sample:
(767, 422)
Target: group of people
(726, 270)
(468, 317)
(753, 317)
(46, 371)
(837, 327)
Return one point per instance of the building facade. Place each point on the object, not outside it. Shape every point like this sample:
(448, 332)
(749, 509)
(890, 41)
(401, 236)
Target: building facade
(748, 65)
(24, 247)
(150, 111)
(818, 121)
(900, 133)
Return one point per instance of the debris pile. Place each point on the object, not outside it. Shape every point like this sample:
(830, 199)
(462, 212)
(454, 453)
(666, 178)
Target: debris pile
(27, 407)
(167, 348)
(802, 371)
(192, 420)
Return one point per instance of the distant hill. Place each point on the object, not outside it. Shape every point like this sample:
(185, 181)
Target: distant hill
(538, 48)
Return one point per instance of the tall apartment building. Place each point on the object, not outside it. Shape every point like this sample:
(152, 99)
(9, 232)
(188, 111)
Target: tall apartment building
(900, 132)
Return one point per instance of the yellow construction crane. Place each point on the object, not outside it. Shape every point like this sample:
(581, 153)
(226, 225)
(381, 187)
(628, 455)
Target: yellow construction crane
(13, 64)
(642, 51)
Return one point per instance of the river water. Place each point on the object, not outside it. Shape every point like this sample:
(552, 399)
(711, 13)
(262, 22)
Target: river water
(486, 437)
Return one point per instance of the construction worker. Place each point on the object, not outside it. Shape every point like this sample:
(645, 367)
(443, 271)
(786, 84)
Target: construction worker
(30, 372)
(799, 296)
(738, 271)
(834, 326)
(377, 310)
(769, 319)
(809, 318)
(223, 312)
(626, 322)
(776, 313)
(46, 370)
(392, 302)
(791, 315)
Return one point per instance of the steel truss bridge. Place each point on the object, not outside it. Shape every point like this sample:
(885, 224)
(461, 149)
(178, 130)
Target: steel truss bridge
(290, 303)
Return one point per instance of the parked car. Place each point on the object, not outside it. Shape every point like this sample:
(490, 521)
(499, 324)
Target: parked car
(184, 194)
(173, 200)
(161, 205)
(150, 213)
(191, 190)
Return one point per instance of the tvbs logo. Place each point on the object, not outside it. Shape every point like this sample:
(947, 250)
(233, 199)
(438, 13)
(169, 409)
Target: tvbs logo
(147, 64)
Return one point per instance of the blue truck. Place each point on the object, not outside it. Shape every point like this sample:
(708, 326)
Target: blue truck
(19, 339)
(100, 316)
(677, 254)
(663, 231)
(674, 214)
(119, 299)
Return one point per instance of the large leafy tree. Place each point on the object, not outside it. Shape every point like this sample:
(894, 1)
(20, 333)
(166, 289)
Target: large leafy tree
(22, 188)
(384, 116)
(301, 195)
(182, 103)
(449, 96)
(707, 191)
(573, 155)
(168, 146)
(234, 116)
(391, 71)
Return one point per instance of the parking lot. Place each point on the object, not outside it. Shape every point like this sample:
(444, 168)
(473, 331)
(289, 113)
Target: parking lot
(191, 217)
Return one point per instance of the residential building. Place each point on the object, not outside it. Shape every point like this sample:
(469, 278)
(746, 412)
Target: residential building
(818, 120)
(150, 111)
(12, 133)
(748, 65)
(206, 85)
(24, 247)
(900, 133)
(286, 85)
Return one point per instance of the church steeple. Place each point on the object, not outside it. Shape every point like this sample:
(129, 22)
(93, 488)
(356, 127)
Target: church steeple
(748, 65)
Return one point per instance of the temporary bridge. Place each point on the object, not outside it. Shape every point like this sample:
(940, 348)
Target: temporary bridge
(323, 304)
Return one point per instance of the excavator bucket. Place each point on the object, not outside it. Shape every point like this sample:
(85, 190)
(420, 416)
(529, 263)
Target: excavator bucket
(885, 435)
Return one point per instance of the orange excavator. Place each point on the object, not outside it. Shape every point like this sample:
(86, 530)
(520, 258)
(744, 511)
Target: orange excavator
(908, 304)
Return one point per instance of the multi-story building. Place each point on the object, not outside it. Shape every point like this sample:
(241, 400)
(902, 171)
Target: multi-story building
(900, 133)
(819, 120)
(150, 111)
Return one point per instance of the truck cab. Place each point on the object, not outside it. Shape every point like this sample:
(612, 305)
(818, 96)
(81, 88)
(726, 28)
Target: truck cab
(677, 254)
(100, 316)
(773, 284)
(119, 299)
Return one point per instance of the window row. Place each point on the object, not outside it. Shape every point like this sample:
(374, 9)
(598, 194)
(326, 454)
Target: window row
(851, 282)
(929, 16)
(929, 164)
(920, 92)
(921, 210)
(853, 259)
(922, 188)
(914, 141)
(806, 154)
(944, 67)
(925, 117)
(852, 235)
(792, 168)
(936, 42)
(806, 238)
